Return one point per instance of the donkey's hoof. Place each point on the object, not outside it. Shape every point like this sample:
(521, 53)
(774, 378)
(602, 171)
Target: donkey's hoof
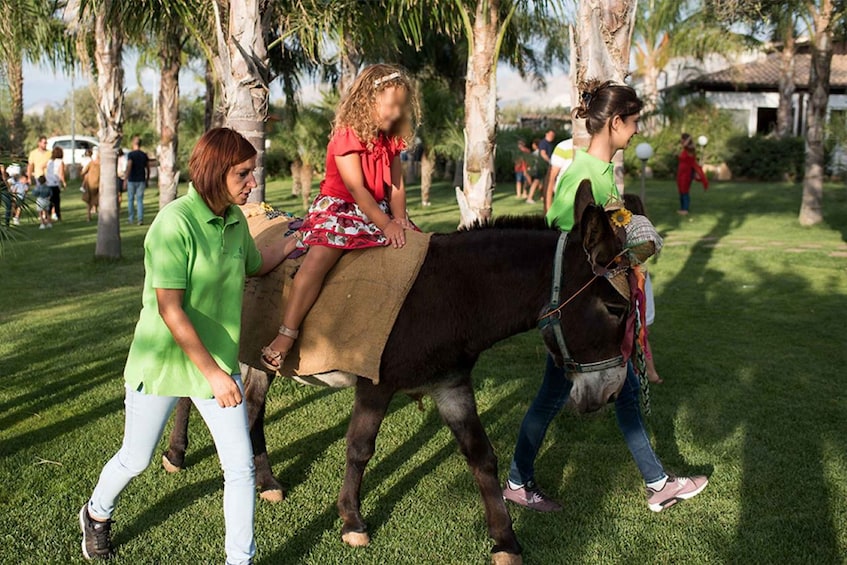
(356, 539)
(169, 467)
(272, 495)
(503, 558)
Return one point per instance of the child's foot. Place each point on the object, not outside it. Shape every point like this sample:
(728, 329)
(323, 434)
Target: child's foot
(273, 356)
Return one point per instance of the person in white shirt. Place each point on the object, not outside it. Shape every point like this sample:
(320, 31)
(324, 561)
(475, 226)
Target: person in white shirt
(560, 160)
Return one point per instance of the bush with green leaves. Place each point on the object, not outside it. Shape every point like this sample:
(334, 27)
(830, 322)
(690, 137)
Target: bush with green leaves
(766, 158)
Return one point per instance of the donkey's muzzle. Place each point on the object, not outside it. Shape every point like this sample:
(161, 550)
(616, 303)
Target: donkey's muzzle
(592, 391)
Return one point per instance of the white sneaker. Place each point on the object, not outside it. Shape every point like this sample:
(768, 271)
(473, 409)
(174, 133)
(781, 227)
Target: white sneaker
(54, 217)
(49, 226)
(42, 227)
(16, 222)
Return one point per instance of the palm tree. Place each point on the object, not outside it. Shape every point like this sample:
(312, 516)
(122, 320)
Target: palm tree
(674, 28)
(601, 46)
(31, 31)
(823, 19)
(440, 132)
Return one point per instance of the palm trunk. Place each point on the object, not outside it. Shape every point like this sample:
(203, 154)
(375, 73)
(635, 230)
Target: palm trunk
(242, 64)
(811, 211)
(108, 35)
(14, 68)
(209, 112)
(651, 94)
(427, 169)
(784, 121)
(296, 186)
(478, 180)
(168, 115)
(600, 47)
(307, 172)
(351, 59)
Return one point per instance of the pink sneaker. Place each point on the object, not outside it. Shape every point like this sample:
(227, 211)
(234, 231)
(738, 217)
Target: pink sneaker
(530, 496)
(675, 489)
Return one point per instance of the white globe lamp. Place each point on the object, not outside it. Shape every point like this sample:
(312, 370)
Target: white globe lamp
(643, 151)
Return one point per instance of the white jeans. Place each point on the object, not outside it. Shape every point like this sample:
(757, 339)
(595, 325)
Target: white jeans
(146, 416)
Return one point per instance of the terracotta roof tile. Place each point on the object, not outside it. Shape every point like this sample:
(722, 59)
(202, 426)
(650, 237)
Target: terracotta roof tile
(764, 74)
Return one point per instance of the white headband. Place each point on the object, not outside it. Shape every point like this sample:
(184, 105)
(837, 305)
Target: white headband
(386, 78)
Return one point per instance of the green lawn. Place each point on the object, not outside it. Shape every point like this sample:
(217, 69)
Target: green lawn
(750, 338)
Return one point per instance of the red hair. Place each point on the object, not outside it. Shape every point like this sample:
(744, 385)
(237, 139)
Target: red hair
(217, 151)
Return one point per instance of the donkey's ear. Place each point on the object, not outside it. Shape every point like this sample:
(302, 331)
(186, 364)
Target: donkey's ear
(584, 198)
(598, 236)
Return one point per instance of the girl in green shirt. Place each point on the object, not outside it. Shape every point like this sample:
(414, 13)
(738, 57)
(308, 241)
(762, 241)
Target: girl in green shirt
(197, 254)
(611, 115)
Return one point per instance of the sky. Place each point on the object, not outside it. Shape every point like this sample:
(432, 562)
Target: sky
(44, 86)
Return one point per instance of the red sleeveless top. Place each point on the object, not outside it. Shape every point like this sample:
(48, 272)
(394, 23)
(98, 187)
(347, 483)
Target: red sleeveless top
(376, 164)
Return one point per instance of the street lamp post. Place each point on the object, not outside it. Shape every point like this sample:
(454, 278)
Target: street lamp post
(643, 151)
(702, 141)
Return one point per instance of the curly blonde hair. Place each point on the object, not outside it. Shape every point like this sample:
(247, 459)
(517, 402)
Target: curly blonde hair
(356, 109)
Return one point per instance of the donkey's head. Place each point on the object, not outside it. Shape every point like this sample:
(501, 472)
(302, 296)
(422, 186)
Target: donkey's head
(586, 334)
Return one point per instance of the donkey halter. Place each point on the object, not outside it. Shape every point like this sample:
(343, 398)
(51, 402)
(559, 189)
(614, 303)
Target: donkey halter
(553, 318)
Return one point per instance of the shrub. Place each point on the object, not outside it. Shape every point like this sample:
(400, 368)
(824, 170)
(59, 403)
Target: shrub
(766, 158)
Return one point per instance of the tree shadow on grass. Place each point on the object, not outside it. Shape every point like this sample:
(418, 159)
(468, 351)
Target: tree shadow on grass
(753, 345)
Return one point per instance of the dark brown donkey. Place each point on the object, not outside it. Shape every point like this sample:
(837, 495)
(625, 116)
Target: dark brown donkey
(462, 303)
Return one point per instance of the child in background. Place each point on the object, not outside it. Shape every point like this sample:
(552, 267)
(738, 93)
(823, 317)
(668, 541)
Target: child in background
(19, 189)
(43, 203)
(535, 167)
(522, 178)
(688, 171)
(634, 204)
(362, 201)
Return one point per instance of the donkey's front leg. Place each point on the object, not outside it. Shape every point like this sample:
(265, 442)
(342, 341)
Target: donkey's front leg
(256, 385)
(368, 412)
(457, 407)
(174, 458)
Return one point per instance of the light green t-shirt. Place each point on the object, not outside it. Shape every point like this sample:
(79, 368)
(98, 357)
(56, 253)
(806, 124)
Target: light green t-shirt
(189, 247)
(600, 173)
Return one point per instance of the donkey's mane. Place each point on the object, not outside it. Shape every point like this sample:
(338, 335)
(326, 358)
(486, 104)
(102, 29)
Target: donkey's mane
(525, 222)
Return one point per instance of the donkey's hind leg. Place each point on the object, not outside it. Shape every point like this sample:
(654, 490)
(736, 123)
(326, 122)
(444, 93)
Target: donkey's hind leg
(457, 407)
(174, 458)
(368, 412)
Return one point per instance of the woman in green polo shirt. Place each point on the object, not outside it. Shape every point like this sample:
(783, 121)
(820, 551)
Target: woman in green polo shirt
(197, 254)
(611, 115)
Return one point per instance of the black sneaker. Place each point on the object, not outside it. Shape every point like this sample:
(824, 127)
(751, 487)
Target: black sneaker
(96, 536)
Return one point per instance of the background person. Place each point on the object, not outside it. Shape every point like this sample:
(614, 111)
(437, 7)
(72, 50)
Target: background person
(688, 170)
(197, 254)
(55, 178)
(19, 189)
(559, 162)
(137, 176)
(91, 185)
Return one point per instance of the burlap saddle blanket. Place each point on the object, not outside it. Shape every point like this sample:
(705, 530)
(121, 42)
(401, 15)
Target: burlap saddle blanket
(347, 328)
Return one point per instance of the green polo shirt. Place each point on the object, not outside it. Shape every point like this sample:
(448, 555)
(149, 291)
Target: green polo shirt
(600, 173)
(188, 247)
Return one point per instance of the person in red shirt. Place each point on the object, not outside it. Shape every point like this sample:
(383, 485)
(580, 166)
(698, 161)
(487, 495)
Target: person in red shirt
(687, 171)
(362, 200)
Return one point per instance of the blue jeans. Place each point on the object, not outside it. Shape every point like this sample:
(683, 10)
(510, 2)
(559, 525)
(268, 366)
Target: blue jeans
(135, 199)
(684, 201)
(549, 401)
(146, 416)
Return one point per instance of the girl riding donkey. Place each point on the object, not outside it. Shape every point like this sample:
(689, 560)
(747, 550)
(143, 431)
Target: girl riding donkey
(362, 202)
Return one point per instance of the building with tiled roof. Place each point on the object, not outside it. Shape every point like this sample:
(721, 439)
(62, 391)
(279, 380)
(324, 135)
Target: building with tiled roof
(750, 91)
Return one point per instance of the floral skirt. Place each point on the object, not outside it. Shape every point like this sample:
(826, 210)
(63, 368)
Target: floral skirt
(333, 222)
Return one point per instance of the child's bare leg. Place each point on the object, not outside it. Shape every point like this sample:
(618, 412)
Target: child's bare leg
(518, 189)
(532, 190)
(652, 375)
(307, 285)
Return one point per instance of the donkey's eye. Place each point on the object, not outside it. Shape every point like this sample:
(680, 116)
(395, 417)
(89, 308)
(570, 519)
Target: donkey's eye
(617, 310)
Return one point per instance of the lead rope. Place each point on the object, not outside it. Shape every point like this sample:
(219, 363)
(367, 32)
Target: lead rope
(640, 363)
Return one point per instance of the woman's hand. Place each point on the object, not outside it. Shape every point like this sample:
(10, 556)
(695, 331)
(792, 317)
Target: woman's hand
(225, 389)
(404, 223)
(394, 234)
